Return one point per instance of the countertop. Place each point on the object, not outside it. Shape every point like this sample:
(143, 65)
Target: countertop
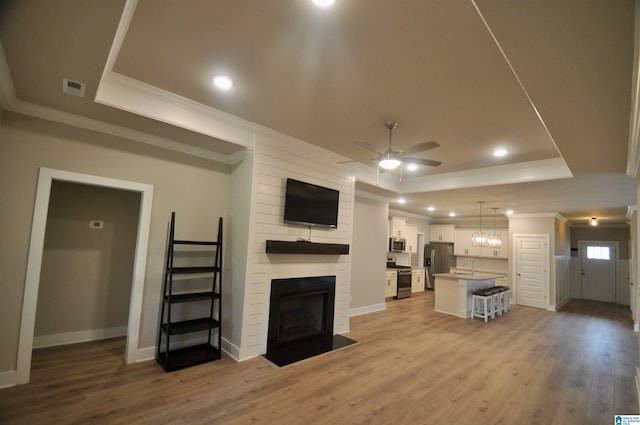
(469, 275)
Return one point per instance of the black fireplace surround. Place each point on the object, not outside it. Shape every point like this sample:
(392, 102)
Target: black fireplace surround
(301, 314)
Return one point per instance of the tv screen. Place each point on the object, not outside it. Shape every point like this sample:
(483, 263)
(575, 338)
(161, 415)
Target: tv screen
(307, 204)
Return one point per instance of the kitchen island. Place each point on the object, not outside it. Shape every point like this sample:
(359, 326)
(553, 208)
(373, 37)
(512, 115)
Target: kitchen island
(453, 291)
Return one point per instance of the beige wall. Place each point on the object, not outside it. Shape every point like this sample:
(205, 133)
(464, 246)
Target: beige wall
(368, 254)
(196, 189)
(562, 246)
(620, 234)
(86, 273)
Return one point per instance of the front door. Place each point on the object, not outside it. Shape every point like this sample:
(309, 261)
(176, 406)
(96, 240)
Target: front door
(598, 271)
(531, 270)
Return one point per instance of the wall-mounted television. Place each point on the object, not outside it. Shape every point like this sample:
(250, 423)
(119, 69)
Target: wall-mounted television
(309, 205)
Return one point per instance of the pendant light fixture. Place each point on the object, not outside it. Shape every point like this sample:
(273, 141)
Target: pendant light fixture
(494, 241)
(479, 238)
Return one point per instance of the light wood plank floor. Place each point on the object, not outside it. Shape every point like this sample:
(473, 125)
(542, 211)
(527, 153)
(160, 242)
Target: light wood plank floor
(411, 366)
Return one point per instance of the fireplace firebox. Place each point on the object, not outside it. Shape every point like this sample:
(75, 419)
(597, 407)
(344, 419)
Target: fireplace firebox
(301, 314)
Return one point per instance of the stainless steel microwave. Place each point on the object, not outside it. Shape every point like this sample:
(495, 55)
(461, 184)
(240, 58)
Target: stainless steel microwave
(397, 244)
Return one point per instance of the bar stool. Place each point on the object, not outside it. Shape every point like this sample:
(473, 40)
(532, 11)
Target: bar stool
(496, 300)
(482, 304)
(505, 294)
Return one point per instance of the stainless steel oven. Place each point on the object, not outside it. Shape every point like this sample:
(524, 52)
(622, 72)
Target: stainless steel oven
(404, 282)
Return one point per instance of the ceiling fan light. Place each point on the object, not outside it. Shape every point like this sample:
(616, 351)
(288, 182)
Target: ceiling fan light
(389, 162)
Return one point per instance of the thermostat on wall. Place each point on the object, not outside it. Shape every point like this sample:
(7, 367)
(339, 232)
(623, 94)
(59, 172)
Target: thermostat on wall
(96, 224)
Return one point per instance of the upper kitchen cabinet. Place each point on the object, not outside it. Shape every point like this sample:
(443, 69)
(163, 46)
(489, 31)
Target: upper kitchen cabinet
(411, 237)
(442, 233)
(462, 245)
(397, 228)
(464, 248)
(502, 251)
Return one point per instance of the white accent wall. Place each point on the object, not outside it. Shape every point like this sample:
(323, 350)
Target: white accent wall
(563, 280)
(277, 157)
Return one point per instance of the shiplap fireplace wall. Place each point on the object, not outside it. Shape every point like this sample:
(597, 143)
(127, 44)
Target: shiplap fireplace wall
(276, 157)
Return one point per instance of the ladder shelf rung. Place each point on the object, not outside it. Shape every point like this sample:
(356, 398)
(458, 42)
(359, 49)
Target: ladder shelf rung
(189, 356)
(193, 270)
(186, 242)
(186, 326)
(192, 296)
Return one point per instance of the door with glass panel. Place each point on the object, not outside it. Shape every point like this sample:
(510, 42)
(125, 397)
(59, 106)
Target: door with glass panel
(598, 271)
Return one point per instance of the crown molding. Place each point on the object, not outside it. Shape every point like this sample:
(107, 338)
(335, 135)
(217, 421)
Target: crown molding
(535, 215)
(405, 214)
(546, 169)
(372, 196)
(127, 94)
(11, 103)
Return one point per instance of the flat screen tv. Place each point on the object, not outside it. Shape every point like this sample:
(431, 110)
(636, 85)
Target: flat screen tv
(309, 205)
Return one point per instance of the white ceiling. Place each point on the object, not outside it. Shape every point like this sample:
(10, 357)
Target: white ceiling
(550, 81)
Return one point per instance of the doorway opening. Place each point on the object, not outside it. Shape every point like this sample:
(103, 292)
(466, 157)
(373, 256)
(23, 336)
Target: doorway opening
(46, 178)
(87, 264)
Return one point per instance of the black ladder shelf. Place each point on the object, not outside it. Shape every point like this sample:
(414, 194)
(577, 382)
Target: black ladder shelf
(201, 309)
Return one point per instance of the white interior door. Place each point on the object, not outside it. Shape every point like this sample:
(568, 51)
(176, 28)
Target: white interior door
(531, 270)
(598, 271)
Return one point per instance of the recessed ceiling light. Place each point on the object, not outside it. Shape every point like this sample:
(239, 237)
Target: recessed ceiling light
(509, 212)
(323, 3)
(431, 209)
(402, 201)
(222, 82)
(412, 167)
(500, 152)
(452, 214)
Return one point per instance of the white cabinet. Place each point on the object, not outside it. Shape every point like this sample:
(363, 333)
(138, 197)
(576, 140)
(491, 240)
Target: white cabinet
(442, 233)
(391, 287)
(503, 251)
(411, 236)
(464, 248)
(462, 245)
(397, 228)
(417, 281)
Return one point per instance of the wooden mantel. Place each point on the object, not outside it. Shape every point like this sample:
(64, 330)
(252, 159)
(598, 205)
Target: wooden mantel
(306, 247)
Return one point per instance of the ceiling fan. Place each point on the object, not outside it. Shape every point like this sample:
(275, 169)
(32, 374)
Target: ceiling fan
(392, 159)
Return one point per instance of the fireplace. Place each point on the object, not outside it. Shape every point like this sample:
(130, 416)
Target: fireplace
(301, 314)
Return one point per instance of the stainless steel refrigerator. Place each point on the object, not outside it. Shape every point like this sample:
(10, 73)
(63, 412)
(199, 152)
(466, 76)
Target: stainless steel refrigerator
(438, 258)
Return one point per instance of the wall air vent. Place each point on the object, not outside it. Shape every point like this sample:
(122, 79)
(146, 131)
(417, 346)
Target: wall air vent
(73, 87)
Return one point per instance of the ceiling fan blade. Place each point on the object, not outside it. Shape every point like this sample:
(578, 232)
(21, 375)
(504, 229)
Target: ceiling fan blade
(421, 161)
(367, 146)
(421, 147)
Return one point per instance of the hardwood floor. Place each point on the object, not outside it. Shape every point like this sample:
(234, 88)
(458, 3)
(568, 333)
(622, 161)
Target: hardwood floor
(410, 366)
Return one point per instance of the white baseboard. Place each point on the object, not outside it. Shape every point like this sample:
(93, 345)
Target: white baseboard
(79, 336)
(149, 353)
(367, 309)
(144, 354)
(232, 350)
(8, 379)
(561, 304)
